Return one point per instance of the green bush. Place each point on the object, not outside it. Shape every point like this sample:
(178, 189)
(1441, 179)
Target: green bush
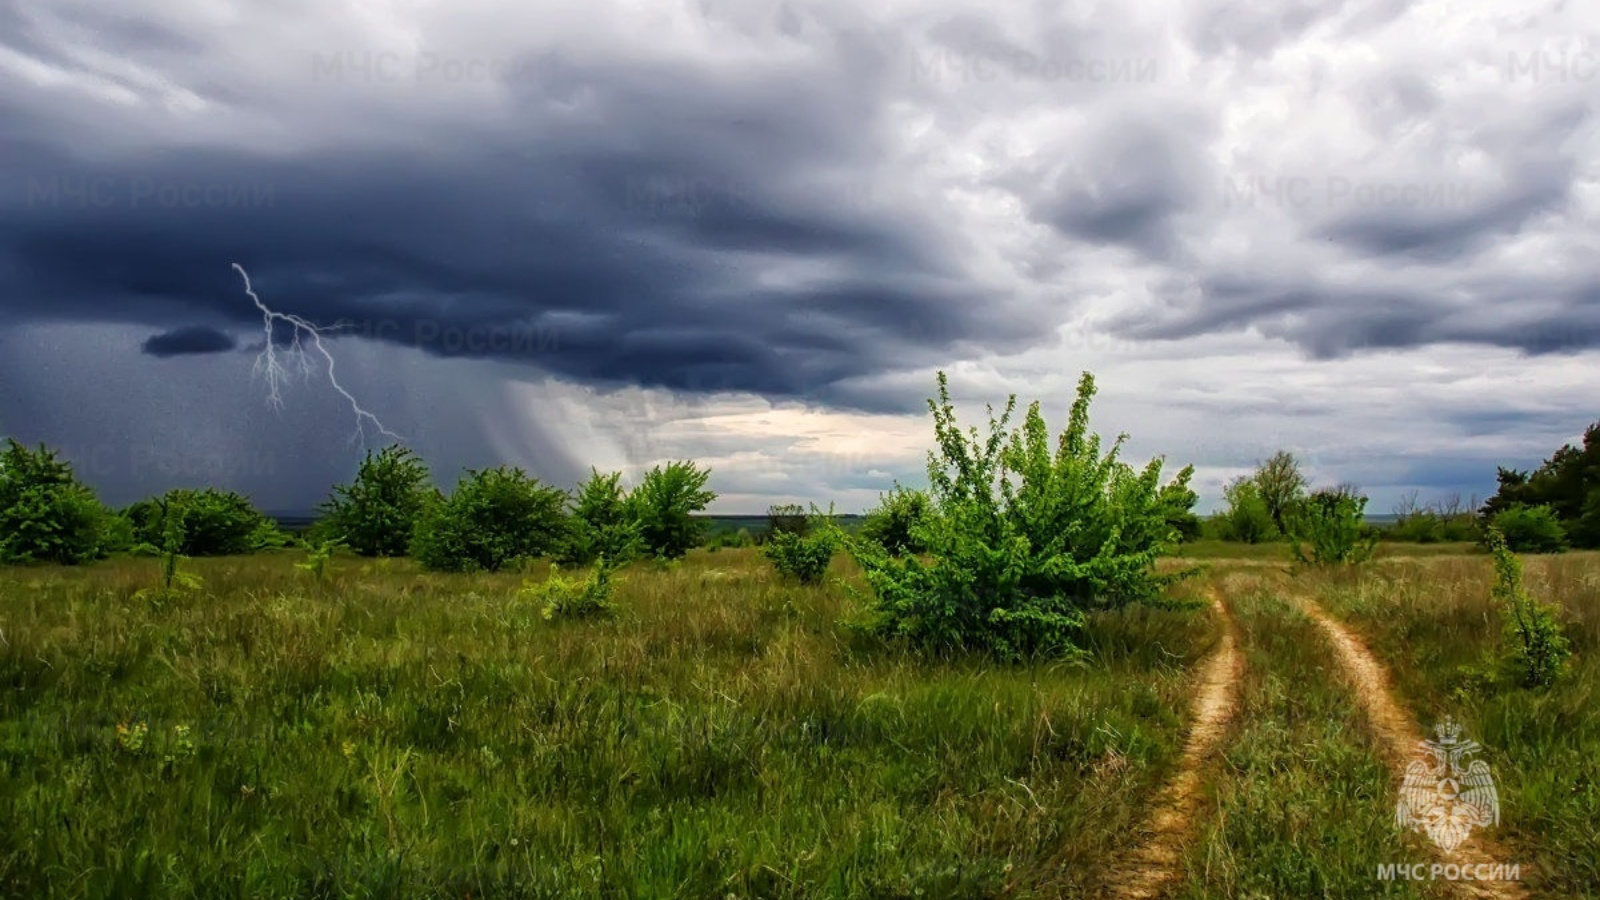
(213, 522)
(664, 505)
(495, 518)
(1538, 648)
(786, 517)
(896, 523)
(567, 598)
(1329, 528)
(46, 514)
(804, 555)
(1529, 529)
(602, 523)
(1024, 541)
(1247, 518)
(376, 513)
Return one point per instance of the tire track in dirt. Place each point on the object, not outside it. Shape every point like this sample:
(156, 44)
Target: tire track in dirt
(1398, 736)
(1149, 867)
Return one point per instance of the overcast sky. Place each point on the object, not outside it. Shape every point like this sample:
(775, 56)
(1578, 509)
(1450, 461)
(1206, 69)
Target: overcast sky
(749, 232)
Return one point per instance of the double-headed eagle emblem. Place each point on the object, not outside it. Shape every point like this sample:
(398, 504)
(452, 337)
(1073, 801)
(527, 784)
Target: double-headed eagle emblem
(1445, 795)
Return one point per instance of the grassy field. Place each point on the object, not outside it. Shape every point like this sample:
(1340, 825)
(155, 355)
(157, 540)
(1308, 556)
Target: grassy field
(390, 733)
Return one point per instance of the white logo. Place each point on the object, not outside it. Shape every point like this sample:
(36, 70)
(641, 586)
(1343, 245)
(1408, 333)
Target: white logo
(1445, 795)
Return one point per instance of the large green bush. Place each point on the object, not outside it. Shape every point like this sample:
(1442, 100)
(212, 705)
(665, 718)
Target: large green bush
(213, 522)
(46, 514)
(1329, 528)
(664, 505)
(494, 519)
(1529, 529)
(376, 514)
(896, 522)
(1026, 536)
(602, 523)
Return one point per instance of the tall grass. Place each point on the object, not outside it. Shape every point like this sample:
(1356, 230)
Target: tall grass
(385, 732)
(1435, 624)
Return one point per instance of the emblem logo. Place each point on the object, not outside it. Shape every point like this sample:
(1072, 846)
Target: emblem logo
(1445, 795)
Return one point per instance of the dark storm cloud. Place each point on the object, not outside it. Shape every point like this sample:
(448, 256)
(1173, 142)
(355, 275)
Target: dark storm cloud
(610, 249)
(188, 340)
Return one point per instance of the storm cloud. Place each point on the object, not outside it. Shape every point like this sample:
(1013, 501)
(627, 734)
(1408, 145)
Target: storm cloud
(806, 205)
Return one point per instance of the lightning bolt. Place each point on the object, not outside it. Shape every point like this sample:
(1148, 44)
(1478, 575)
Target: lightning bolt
(275, 370)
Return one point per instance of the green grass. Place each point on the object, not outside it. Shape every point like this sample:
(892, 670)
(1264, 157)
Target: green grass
(390, 733)
(1280, 551)
(1433, 624)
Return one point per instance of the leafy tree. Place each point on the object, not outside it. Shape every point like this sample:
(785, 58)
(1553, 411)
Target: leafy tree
(495, 518)
(1568, 482)
(1329, 528)
(1539, 648)
(1025, 540)
(1281, 485)
(1247, 519)
(376, 514)
(602, 523)
(1529, 529)
(895, 524)
(213, 522)
(804, 554)
(664, 504)
(1178, 499)
(46, 514)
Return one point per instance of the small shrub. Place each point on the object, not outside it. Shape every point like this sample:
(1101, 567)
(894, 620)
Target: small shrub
(602, 523)
(567, 598)
(46, 514)
(495, 518)
(664, 505)
(1529, 529)
(896, 524)
(1329, 528)
(377, 512)
(318, 554)
(804, 555)
(1538, 648)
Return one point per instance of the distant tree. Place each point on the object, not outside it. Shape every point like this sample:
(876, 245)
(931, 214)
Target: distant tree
(1329, 527)
(665, 503)
(786, 517)
(495, 518)
(1568, 483)
(211, 522)
(1247, 518)
(1281, 485)
(46, 514)
(602, 523)
(896, 523)
(1178, 499)
(376, 514)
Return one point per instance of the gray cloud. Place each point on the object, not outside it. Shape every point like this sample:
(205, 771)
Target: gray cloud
(190, 339)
